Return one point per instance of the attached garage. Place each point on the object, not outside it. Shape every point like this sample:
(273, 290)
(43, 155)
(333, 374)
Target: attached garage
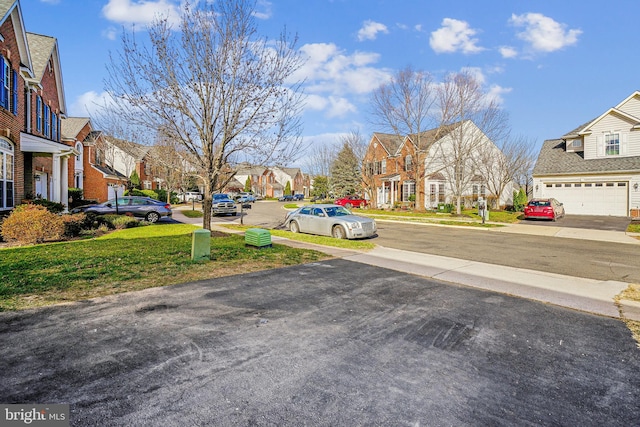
(590, 198)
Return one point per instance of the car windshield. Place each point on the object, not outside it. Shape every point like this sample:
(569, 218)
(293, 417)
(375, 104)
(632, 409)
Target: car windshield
(220, 196)
(337, 211)
(540, 203)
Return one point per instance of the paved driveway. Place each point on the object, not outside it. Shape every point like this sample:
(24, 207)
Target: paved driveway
(593, 222)
(330, 343)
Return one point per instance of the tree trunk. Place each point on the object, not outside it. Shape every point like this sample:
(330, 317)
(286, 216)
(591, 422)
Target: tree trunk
(206, 208)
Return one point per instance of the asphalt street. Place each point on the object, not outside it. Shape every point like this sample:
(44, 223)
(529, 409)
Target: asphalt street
(330, 343)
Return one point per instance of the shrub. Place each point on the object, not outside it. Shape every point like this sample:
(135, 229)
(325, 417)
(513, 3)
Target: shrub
(119, 222)
(519, 200)
(74, 224)
(143, 193)
(75, 194)
(32, 223)
(52, 207)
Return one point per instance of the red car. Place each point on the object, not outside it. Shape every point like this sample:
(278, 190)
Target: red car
(544, 208)
(351, 202)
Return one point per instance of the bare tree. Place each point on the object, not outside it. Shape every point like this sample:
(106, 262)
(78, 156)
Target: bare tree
(319, 159)
(511, 165)
(214, 86)
(406, 105)
(470, 120)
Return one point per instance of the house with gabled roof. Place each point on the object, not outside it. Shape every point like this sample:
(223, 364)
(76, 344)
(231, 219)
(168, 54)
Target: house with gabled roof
(88, 171)
(34, 161)
(392, 167)
(595, 168)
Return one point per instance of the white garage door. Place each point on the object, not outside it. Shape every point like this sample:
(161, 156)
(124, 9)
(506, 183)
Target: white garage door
(591, 198)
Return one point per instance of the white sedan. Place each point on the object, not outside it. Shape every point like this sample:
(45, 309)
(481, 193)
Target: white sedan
(330, 220)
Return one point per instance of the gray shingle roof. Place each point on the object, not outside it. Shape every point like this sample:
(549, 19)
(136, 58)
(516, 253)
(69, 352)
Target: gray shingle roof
(390, 142)
(5, 5)
(41, 48)
(70, 127)
(555, 160)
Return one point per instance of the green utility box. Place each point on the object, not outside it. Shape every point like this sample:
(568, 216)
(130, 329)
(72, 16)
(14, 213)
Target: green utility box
(258, 237)
(201, 245)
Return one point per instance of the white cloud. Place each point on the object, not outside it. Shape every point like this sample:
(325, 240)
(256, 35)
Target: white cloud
(141, 12)
(89, 104)
(370, 30)
(332, 77)
(508, 52)
(454, 36)
(110, 33)
(543, 33)
(265, 12)
(495, 93)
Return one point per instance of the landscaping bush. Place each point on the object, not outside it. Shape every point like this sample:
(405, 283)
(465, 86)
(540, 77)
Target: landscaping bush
(119, 222)
(519, 200)
(52, 207)
(32, 223)
(74, 224)
(143, 193)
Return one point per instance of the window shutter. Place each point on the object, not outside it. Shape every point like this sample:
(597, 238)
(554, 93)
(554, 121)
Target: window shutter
(39, 114)
(3, 90)
(623, 144)
(15, 93)
(599, 146)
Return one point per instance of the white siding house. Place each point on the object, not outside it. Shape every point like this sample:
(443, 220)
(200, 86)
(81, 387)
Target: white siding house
(595, 169)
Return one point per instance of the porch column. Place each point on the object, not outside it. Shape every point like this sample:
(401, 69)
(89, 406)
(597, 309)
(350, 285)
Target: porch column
(64, 182)
(55, 179)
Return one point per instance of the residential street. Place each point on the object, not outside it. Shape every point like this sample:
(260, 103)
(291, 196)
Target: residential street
(329, 343)
(573, 257)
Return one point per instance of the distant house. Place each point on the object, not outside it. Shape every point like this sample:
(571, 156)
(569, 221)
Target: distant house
(595, 169)
(254, 173)
(391, 168)
(88, 171)
(293, 176)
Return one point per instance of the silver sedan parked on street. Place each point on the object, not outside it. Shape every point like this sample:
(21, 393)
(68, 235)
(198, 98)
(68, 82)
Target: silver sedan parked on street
(330, 220)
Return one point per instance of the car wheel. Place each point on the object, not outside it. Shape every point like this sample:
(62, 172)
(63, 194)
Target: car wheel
(348, 206)
(338, 232)
(152, 217)
(294, 227)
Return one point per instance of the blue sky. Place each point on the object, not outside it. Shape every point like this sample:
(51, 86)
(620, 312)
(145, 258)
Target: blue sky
(553, 64)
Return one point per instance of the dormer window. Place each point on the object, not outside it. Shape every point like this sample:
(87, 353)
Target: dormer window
(576, 143)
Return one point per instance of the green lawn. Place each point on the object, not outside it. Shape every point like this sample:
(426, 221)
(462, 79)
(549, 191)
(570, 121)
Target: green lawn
(127, 260)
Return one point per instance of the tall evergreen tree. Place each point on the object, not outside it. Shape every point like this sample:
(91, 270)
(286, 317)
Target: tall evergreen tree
(346, 177)
(247, 185)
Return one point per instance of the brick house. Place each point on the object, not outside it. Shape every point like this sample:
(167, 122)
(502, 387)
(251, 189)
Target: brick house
(390, 167)
(87, 171)
(33, 160)
(387, 172)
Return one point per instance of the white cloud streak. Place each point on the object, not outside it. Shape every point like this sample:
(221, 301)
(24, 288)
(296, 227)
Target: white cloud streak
(141, 12)
(370, 30)
(454, 36)
(543, 34)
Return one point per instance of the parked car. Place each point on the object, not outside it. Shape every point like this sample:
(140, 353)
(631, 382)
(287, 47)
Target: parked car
(222, 204)
(330, 220)
(286, 198)
(298, 197)
(141, 207)
(544, 208)
(190, 196)
(353, 201)
(246, 198)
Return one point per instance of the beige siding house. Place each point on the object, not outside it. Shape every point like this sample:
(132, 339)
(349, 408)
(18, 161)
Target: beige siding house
(595, 169)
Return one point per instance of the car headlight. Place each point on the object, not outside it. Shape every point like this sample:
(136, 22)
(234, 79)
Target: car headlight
(354, 225)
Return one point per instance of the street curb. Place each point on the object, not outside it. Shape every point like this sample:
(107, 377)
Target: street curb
(630, 309)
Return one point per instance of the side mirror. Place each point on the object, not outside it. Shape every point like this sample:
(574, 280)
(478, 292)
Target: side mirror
(109, 205)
